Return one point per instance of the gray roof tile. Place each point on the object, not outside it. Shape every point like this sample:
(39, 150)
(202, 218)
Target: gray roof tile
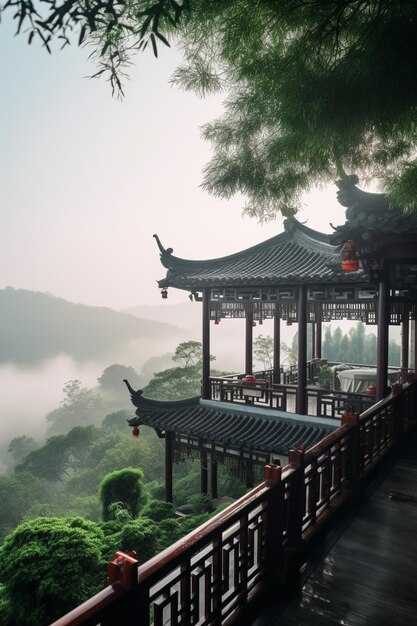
(222, 424)
(297, 255)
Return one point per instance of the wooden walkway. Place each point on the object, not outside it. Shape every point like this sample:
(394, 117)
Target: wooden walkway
(368, 576)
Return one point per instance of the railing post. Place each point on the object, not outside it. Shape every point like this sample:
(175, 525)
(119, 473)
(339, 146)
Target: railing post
(296, 505)
(133, 607)
(399, 419)
(354, 460)
(275, 525)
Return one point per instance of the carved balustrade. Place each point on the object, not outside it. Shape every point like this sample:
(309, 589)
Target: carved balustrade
(211, 576)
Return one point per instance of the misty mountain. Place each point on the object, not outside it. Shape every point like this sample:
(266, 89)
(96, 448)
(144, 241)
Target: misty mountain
(185, 315)
(36, 326)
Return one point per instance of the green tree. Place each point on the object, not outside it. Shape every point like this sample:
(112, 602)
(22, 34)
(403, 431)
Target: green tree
(48, 566)
(61, 455)
(189, 353)
(175, 383)
(314, 89)
(111, 388)
(117, 420)
(17, 494)
(157, 510)
(19, 447)
(263, 351)
(80, 407)
(141, 535)
(112, 378)
(357, 344)
(124, 486)
(48, 462)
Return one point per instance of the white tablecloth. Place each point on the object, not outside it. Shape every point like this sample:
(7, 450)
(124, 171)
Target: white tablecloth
(357, 381)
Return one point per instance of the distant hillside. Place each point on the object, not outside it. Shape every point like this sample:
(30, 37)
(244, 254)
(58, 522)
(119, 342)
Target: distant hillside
(36, 326)
(185, 315)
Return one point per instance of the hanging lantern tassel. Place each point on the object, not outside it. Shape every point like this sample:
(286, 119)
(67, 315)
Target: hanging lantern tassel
(350, 257)
(135, 431)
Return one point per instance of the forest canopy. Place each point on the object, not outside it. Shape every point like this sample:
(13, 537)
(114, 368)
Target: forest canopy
(314, 90)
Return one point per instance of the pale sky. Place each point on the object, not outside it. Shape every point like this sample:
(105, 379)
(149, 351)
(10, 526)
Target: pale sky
(86, 179)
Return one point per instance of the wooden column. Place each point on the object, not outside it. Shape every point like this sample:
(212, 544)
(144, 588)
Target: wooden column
(203, 472)
(301, 400)
(214, 490)
(413, 345)
(168, 466)
(249, 343)
(382, 339)
(414, 339)
(313, 340)
(205, 386)
(317, 339)
(405, 337)
(276, 376)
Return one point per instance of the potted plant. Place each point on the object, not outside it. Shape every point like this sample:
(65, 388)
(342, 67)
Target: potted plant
(325, 376)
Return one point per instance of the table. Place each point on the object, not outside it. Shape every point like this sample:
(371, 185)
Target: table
(358, 380)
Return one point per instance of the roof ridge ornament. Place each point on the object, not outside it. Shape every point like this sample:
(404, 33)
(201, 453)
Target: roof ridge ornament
(135, 395)
(161, 247)
(350, 196)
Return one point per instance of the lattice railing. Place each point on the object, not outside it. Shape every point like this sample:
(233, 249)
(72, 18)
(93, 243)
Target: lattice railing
(209, 577)
(320, 402)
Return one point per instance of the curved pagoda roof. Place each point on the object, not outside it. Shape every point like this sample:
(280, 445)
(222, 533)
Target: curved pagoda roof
(298, 255)
(264, 430)
(370, 217)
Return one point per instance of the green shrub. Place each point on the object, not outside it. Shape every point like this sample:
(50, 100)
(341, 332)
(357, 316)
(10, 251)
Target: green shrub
(124, 487)
(48, 566)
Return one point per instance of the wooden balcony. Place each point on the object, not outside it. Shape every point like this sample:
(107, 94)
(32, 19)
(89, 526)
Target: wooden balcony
(219, 571)
(321, 402)
(364, 571)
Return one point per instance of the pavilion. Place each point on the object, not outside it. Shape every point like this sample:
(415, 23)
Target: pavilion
(226, 568)
(296, 276)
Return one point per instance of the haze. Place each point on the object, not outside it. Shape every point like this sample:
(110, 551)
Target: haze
(87, 180)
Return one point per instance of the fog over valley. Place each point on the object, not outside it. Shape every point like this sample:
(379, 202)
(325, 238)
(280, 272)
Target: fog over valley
(48, 341)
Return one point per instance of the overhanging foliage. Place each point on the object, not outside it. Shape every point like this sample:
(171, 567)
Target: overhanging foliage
(314, 89)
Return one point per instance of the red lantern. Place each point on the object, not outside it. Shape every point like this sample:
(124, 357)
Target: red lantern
(164, 293)
(135, 431)
(253, 323)
(289, 323)
(216, 322)
(261, 322)
(350, 257)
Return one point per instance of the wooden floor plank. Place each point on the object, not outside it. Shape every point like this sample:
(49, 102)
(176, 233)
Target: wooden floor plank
(369, 576)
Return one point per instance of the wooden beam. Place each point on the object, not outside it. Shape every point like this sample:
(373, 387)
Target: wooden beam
(276, 379)
(301, 399)
(205, 386)
(249, 343)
